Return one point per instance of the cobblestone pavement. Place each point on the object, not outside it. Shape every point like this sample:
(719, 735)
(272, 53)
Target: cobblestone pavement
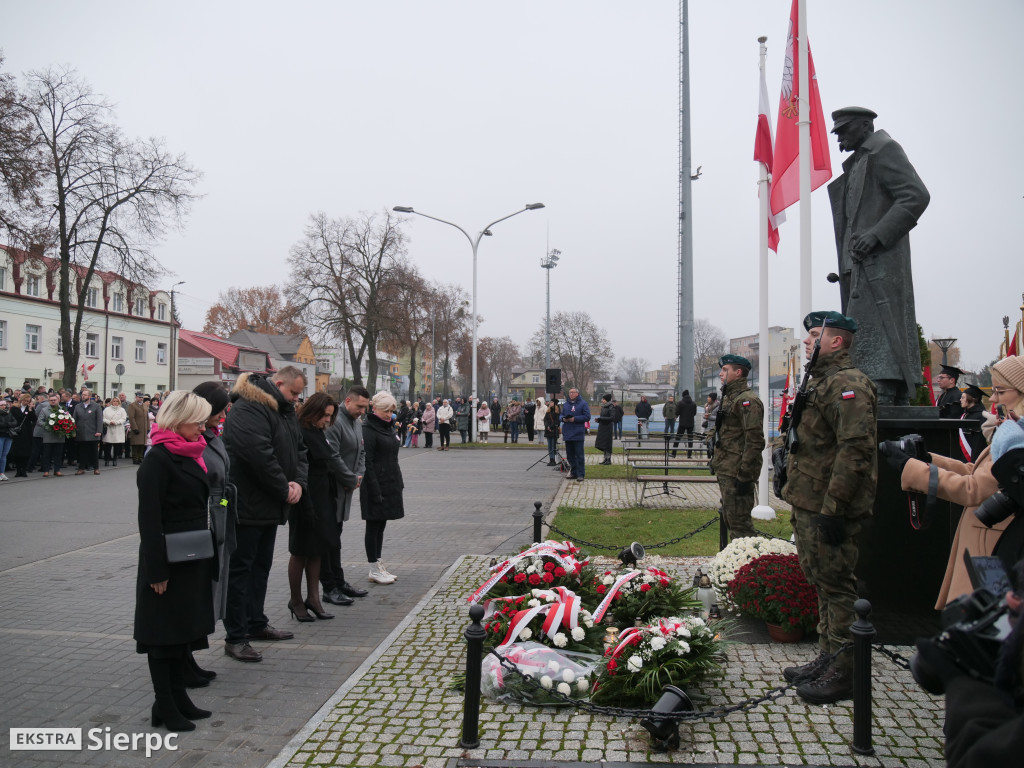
(398, 710)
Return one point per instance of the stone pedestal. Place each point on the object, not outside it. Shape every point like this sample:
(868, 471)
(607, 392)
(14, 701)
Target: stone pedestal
(900, 568)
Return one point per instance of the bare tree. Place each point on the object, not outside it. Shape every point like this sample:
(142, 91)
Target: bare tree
(504, 356)
(631, 369)
(105, 198)
(21, 161)
(709, 343)
(410, 325)
(261, 309)
(579, 346)
(344, 277)
(451, 315)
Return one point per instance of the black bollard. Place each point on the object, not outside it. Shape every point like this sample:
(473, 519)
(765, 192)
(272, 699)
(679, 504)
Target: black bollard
(723, 530)
(475, 635)
(538, 518)
(863, 632)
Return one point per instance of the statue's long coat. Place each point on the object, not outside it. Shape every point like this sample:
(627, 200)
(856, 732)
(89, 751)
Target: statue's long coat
(885, 197)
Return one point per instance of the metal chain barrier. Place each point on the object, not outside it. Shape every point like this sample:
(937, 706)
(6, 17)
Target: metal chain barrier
(894, 657)
(770, 535)
(772, 694)
(616, 548)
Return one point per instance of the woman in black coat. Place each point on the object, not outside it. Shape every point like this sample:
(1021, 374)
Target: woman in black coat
(311, 522)
(21, 448)
(380, 495)
(173, 601)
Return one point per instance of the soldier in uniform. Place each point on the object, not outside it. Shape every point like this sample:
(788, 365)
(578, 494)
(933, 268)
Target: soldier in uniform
(949, 401)
(739, 443)
(831, 487)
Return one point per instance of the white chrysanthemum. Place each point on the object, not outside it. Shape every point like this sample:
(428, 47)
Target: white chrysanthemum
(531, 569)
(657, 643)
(583, 685)
(684, 648)
(682, 632)
(564, 689)
(546, 682)
(568, 675)
(578, 634)
(608, 580)
(533, 603)
(635, 663)
(560, 640)
(588, 623)
(526, 634)
(553, 666)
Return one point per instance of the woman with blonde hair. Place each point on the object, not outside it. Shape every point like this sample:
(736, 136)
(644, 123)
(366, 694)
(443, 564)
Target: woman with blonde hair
(380, 495)
(173, 600)
(969, 484)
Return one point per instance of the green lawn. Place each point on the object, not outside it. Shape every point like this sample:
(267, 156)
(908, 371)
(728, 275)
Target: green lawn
(619, 527)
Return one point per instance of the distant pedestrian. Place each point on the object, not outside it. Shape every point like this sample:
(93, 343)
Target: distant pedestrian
(445, 416)
(529, 416)
(540, 411)
(428, 424)
(89, 429)
(115, 417)
(687, 415)
(575, 415)
(138, 430)
(483, 422)
(617, 424)
(668, 412)
(643, 411)
(604, 428)
(552, 428)
(514, 416)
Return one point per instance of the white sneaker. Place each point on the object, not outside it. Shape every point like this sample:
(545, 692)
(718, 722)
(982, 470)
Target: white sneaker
(385, 571)
(3, 477)
(378, 576)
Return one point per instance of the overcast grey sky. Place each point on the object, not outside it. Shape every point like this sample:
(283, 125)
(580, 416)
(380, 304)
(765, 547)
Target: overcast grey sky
(468, 110)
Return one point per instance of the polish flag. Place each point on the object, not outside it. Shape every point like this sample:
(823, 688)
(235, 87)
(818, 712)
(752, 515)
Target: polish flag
(763, 154)
(786, 169)
(1012, 350)
(785, 401)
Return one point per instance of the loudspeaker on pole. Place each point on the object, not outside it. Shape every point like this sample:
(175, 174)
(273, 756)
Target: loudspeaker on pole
(553, 381)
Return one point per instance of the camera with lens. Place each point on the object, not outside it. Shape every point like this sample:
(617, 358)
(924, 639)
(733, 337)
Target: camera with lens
(1009, 499)
(975, 627)
(912, 445)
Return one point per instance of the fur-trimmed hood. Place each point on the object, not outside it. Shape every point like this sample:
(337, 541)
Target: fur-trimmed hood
(258, 389)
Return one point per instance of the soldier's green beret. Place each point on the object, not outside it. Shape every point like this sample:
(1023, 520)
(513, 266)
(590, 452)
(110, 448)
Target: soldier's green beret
(831, 320)
(734, 360)
(847, 114)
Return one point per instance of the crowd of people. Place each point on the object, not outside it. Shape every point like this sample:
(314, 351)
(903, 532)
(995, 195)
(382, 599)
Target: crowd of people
(107, 429)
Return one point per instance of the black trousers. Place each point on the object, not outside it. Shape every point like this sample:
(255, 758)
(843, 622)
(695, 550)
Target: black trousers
(247, 581)
(373, 540)
(446, 434)
(88, 456)
(332, 575)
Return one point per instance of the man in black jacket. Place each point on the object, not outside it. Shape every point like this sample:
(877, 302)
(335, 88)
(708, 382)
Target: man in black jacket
(687, 412)
(268, 467)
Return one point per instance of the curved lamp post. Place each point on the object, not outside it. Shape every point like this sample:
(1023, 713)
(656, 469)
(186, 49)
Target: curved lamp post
(474, 244)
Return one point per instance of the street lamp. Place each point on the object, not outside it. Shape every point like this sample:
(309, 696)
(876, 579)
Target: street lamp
(944, 345)
(174, 342)
(474, 244)
(549, 262)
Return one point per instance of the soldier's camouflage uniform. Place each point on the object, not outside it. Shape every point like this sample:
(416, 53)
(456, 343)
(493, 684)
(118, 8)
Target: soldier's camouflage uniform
(834, 472)
(739, 446)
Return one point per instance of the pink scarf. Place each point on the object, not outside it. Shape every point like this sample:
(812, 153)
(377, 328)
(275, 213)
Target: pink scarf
(178, 445)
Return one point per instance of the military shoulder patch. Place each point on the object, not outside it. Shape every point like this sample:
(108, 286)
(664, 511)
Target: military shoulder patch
(745, 403)
(849, 395)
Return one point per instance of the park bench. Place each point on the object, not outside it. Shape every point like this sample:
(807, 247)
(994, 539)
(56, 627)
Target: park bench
(667, 482)
(655, 463)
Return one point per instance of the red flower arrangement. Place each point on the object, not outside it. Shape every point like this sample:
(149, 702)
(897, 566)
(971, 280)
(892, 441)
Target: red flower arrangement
(773, 588)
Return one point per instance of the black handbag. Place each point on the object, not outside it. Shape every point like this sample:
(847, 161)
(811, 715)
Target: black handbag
(189, 546)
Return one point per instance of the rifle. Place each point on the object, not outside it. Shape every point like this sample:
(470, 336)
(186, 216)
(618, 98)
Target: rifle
(791, 420)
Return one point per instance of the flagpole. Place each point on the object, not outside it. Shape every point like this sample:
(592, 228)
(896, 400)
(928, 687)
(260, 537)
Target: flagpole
(804, 125)
(763, 511)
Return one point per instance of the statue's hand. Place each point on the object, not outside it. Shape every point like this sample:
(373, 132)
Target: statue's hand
(864, 245)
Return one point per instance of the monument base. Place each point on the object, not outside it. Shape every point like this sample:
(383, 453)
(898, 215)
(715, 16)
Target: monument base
(901, 567)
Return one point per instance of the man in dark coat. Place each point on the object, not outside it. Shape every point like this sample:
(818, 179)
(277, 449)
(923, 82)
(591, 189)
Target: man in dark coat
(88, 417)
(949, 401)
(687, 412)
(604, 428)
(269, 469)
(875, 204)
(138, 426)
(643, 412)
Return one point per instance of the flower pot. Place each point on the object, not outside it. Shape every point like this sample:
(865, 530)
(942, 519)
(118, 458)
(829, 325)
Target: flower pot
(784, 634)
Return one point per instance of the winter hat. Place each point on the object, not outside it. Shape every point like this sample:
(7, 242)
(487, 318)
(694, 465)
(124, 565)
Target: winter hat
(1012, 369)
(1008, 436)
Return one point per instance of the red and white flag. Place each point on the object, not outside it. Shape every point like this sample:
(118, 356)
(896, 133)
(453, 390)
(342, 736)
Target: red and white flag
(786, 168)
(763, 154)
(785, 401)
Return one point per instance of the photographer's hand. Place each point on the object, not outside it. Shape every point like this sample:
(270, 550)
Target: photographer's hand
(939, 664)
(831, 529)
(897, 459)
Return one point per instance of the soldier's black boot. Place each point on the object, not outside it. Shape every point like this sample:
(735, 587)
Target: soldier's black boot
(807, 672)
(835, 685)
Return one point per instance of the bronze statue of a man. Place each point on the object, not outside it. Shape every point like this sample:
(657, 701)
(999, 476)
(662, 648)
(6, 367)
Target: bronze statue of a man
(875, 204)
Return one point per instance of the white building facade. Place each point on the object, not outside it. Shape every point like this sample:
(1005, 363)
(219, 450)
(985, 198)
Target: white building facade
(125, 327)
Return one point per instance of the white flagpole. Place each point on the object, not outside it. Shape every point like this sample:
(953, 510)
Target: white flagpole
(763, 511)
(804, 124)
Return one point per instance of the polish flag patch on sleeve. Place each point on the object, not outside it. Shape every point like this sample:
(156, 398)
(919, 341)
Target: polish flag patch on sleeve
(848, 395)
(746, 402)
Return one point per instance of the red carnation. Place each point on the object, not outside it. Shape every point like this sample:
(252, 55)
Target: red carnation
(612, 665)
(559, 571)
(664, 582)
(534, 579)
(601, 589)
(547, 578)
(520, 578)
(549, 566)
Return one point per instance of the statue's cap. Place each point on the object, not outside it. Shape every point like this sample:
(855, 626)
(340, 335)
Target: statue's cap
(734, 360)
(952, 370)
(975, 391)
(847, 114)
(830, 320)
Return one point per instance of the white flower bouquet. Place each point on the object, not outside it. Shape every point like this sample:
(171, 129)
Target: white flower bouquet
(726, 563)
(569, 673)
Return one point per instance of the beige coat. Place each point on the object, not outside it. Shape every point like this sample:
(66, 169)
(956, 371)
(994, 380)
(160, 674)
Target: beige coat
(967, 485)
(138, 423)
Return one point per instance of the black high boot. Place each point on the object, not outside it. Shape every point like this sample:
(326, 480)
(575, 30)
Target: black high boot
(165, 711)
(192, 664)
(181, 699)
(193, 675)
